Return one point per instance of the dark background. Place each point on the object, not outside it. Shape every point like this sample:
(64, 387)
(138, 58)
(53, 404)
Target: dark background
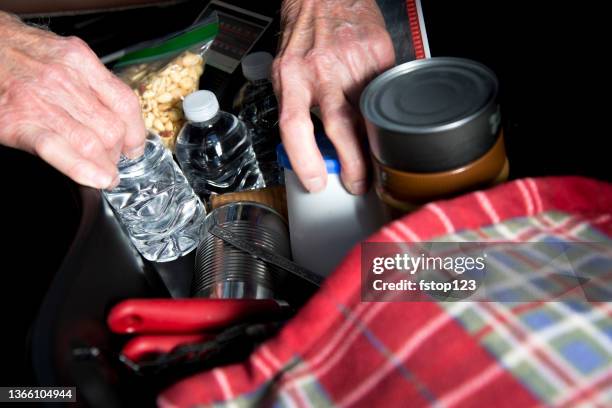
(553, 105)
(553, 85)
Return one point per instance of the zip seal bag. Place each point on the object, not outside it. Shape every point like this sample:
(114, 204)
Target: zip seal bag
(163, 71)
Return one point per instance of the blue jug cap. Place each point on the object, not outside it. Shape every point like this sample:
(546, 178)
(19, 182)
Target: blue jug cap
(332, 163)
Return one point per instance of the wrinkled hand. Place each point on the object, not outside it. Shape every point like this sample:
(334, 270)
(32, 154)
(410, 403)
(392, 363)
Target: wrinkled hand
(58, 101)
(329, 50)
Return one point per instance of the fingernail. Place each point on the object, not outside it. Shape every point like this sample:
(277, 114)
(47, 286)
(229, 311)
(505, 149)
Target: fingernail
(102, 180)
(315, 184)
(115, 182)
(357, 187)
(135, 152)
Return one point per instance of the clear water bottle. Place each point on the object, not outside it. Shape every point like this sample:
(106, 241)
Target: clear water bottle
(256, 104)
(214, 149)
(156, 205)
(256, 69)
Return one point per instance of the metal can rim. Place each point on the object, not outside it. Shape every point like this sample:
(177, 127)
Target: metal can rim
(247, 203)
(373, 87)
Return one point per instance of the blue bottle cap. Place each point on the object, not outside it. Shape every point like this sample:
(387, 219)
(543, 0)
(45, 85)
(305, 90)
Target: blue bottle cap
(325, 147)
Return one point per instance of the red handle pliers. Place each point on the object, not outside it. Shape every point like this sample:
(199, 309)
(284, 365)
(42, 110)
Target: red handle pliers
(165, 324)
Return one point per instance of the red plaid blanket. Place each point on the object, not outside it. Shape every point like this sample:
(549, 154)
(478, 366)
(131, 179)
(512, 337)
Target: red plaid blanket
(339, 351)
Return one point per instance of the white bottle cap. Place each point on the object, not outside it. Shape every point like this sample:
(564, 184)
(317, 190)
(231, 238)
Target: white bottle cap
(257, 65)
(200, 106)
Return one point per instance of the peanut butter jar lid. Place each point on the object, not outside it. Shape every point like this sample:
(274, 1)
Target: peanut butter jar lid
(431, 115)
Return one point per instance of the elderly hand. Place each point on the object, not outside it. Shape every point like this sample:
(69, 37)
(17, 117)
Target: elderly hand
(58, 101)
(329, 50)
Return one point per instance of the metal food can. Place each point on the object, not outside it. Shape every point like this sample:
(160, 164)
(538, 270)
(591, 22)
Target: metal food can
(225, 272)
(435, 117)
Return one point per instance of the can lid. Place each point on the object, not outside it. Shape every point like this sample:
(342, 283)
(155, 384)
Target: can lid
(332, 163)
(200, 106)
(256, 66)
(430, 95)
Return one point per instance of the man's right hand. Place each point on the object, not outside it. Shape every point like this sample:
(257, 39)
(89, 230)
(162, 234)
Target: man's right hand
(58, 101)
(329, 50)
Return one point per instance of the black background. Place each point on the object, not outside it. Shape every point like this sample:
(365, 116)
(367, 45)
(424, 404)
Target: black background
(547, 57)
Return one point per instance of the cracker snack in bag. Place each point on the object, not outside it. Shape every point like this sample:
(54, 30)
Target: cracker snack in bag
(163, 72)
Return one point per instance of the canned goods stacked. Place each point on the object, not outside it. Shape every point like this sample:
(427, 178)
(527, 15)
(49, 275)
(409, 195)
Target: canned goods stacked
(433, 128)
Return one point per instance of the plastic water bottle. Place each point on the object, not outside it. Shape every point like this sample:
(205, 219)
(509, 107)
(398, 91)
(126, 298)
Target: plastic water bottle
(156, 205)
(256, 104)
(214, 149)
(256, 69)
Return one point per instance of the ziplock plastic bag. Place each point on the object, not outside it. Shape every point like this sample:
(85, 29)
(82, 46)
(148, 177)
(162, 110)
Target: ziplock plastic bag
(162, 72)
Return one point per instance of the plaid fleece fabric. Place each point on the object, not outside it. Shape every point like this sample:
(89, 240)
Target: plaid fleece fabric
(339, 351)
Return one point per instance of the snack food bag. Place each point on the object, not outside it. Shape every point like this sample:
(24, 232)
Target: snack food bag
(162, 72)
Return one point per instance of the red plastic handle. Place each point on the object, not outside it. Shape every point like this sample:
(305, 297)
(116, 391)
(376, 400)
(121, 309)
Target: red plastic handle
(143, 346)
(189, 315)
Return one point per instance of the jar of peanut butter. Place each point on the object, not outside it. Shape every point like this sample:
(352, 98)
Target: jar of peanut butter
(434, 131)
